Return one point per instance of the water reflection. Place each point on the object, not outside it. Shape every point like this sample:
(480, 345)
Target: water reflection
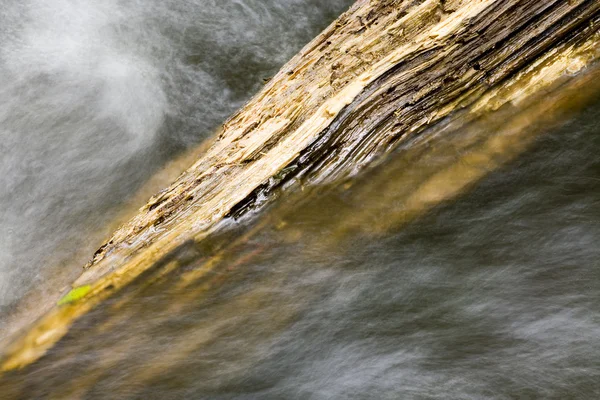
(97, 96)
(495, 295)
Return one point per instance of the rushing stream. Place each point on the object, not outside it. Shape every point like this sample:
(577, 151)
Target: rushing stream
(495, 295)
(95, 97)
(492, 296)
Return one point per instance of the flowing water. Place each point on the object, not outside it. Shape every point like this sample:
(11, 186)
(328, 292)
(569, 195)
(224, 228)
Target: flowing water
(96, 96)
(494, 295)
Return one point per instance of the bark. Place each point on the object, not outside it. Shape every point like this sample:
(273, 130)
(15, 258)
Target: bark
(387, 73)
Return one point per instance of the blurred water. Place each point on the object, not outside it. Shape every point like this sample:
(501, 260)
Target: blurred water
(493, 296)
(95, 96)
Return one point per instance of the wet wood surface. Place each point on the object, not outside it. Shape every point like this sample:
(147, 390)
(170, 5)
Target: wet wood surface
(386, 73)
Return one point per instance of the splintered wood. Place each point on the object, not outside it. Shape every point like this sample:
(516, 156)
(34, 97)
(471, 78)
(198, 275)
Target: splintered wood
(386, 71)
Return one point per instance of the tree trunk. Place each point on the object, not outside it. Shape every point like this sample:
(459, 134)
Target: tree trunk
(387, 73)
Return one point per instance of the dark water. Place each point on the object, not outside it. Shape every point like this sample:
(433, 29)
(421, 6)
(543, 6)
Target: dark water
(495, 295)
(95, 96)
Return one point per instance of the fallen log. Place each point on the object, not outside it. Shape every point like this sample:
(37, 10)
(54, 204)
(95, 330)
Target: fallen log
(384, 74)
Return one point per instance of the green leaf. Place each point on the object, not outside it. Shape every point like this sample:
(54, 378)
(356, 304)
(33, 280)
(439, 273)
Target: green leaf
(75, 294)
